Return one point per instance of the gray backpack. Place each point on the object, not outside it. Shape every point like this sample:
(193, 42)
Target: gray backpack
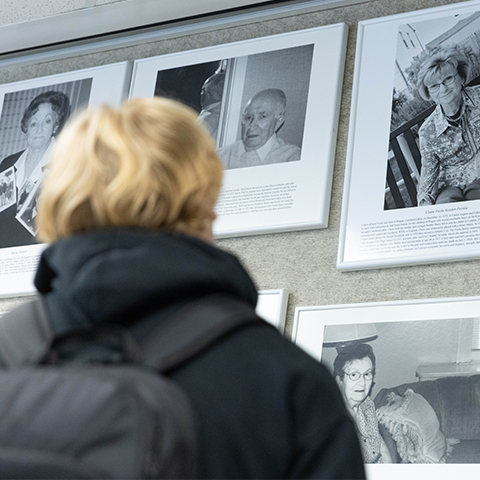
(94, 404)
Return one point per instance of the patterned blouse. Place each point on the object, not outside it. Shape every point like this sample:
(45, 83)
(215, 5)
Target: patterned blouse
(449, 149)
(368, 433)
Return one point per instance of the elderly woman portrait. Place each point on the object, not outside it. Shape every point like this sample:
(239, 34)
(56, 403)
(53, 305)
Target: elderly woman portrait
(354, 371)
(450, 137)
(42, 120)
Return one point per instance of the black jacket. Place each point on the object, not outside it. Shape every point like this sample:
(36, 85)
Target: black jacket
(264, 408)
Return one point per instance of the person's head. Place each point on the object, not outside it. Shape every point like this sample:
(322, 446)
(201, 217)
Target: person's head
(442, 76)
(145, 164)
(212, 89)
(44, 117)
(354, 371)
(263, 116)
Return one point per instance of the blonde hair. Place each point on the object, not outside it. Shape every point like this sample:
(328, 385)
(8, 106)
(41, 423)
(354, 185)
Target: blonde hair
(146, 164)
(436, 63)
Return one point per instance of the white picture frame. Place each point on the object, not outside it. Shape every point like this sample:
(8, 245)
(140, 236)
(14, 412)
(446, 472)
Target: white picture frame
(272, 306)
(307, 65)
(376, 231)
(418, 341)
(87, 87)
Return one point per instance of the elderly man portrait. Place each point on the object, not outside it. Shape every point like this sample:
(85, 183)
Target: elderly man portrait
(262, 118)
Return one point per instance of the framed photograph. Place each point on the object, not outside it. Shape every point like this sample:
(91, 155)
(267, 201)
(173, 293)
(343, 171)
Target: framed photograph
(272, 306)
(409, 372)
(272, 105)
(412, 179)
(32, 113)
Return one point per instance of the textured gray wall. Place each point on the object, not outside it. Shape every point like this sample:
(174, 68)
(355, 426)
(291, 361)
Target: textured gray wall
(16, 11)
(302, 262)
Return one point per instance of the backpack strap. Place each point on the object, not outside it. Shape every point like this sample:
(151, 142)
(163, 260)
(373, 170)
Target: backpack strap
(25, 334)
(195, 328)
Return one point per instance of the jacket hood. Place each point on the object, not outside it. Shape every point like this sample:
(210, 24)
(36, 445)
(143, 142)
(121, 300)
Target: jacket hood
(114, 276)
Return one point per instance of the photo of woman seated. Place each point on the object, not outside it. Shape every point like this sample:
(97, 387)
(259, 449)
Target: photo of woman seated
(450, 137)
(354, 371)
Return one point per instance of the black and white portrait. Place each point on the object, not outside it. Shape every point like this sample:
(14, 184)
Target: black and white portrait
(29, 122)
(412, 387)
(271, 104)
(435, 133)
(253, 106)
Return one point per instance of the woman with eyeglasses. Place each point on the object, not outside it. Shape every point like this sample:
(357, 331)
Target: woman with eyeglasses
(354, 371)
(450, 137)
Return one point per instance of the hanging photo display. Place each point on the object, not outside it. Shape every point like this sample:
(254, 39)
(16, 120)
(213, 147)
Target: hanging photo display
(32, 114)
(409, 373)
(272, 105)
(412, 182)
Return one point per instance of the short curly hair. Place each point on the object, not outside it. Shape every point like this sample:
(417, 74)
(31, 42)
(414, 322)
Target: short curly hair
(146, 164)
(436, 62)
(60, 105)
